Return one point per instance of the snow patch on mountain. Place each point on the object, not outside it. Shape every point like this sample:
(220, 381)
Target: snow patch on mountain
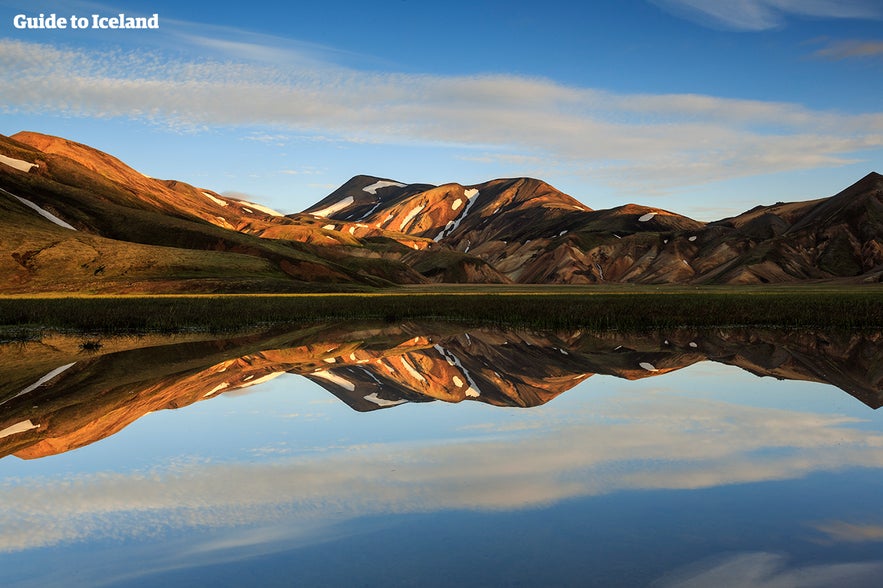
(645, 217)
(44, 213)
(471, 194)
(18, 164)
(217, 201)
(410, 216)
(372, 189)
(260, 207)
(331, 209)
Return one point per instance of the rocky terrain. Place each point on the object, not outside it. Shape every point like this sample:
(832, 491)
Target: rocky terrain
(73, 218)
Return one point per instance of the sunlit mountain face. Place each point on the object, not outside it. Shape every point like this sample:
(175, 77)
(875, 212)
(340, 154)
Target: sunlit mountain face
(77, 219)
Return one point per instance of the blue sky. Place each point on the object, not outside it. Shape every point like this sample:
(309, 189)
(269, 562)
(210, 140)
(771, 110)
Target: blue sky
(703, 107)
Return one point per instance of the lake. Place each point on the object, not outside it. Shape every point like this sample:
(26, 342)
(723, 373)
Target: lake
(431, 454)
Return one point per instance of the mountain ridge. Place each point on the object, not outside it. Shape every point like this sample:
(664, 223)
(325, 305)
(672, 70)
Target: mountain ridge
(378, 232)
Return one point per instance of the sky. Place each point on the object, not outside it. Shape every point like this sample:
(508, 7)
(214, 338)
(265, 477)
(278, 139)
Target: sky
(701, 107)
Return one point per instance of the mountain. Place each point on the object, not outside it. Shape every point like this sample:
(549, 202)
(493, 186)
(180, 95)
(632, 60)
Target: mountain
(57, 395)
(529, 232)
(75, 219)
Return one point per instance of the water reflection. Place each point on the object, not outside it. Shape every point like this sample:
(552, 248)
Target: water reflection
(645, 472)
(57, 395)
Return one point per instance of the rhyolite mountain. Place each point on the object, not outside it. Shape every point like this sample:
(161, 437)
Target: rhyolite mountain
(73, 218)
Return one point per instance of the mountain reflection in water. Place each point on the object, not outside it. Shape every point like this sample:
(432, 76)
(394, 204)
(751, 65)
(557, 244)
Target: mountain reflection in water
(55, 395)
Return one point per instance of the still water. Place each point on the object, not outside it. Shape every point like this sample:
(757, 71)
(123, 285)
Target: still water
(434, 455)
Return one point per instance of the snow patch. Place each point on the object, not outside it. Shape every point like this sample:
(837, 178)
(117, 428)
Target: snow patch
(456, 204)
(352, 230)
(329, 360)
(410, 216)
(331, 209)
(562, 233)
(248, 210)
(18, 164)
(18, 428)
(693, 344)
(269, 211)
(452, 225)
(645, 217)
(217, 201)
(330, 227)
(648, 366)
(44, 213)
(457, 381)
(335, 379)
(382, 401)
(693, 238)
(372, 189)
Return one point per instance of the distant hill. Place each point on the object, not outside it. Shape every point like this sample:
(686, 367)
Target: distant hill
(75, 219)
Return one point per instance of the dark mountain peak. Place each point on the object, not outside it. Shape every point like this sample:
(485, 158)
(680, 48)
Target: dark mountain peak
(361, 195)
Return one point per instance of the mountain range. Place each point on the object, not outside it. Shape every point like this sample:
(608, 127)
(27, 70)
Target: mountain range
(75, 219)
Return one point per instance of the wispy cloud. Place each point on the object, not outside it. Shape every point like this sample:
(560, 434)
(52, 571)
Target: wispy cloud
(759, 15)
(851, 49)
(651, 140)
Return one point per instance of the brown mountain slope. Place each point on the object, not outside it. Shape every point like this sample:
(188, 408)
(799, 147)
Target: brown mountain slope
(114, 217)
(378, 232)
(528, 232)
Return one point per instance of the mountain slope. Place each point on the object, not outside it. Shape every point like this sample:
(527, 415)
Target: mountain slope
(78, 219)
(116, 210)
(529, 232)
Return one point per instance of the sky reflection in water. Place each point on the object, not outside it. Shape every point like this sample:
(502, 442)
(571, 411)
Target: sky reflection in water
(706, 475)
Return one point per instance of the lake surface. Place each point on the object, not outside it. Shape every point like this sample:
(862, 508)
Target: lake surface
(434, 455)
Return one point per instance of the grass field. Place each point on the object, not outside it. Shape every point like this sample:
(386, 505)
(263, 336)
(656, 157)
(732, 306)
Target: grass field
(620, 307)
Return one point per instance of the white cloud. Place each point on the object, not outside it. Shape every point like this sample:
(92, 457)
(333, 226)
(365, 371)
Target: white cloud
(759, 15)
(630, 140)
